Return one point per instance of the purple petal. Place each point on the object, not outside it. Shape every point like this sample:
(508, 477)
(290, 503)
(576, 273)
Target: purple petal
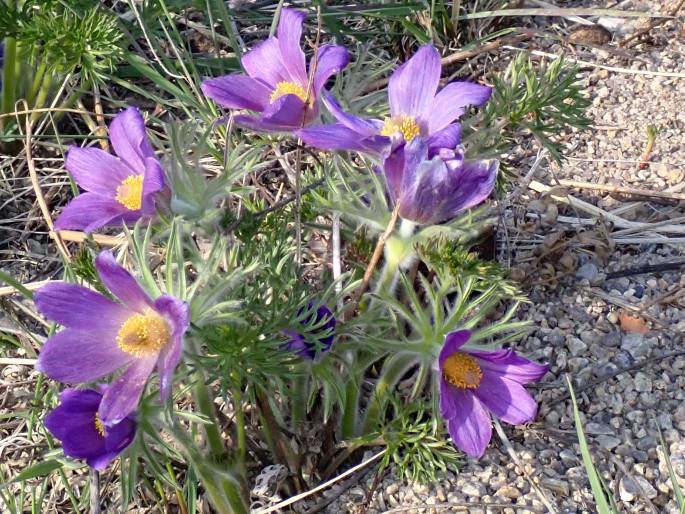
(365, 128)
(177, 314)
(77, 408)
(84, 441)
(153, 183)
(413, 85)
(75, 306)
(472, 186)
(508, 364)
(330, 60)
(121, 283)
(339, 137)
(129, 140)
(76, 356)
(237, 91)
(289, 34)
(96, 170)
(264, 62)
(91, 211)
(448, 137)
(506, 399)
(451, 102)
(284, 115)
(393, 168)
(119, 436)
(122, 397)
(453, 342)
(468, 422)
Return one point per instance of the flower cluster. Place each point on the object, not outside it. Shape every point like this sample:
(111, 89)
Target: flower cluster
(127, 335)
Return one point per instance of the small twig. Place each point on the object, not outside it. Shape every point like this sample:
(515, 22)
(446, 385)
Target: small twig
(31, 286)
(39, 193)
(337, 263)
(6, 361)
(622, 190)
(375, 257)
(514, 456)
(94, 491)
(649, 268)
(323, 486)
(654, 23)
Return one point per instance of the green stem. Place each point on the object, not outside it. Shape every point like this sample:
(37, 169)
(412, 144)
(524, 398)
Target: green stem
(37, 80)
(351, 413)
(43, 92)
(8, 78)
(300, 401)
(241, 435)
(206, 407)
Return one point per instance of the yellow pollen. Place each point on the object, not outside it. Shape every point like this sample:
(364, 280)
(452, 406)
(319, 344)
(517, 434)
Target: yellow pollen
(288, 88)
(406, 125)
(99, 426)
(143, 334)
(130, 192)
(462, 371)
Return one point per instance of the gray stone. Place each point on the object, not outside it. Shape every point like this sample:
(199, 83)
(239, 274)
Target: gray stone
(508, 491)
(473, 489)
(588, 271)
(631, 487)
(642, 383)
(598, 428)
(635, 345)
(576, 346)
(608, 442)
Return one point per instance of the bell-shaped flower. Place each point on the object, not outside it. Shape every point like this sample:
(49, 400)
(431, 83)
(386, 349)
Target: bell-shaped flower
(277, 83)
(103, 336)
(417, 108)
(317, 336)
(474, 384)
(75, 422)
(434, 183)
(119, 189)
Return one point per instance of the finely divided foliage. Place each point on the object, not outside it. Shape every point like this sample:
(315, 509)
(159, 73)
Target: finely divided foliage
(212, 307)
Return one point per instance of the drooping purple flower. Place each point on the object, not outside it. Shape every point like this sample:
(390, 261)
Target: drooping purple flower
(316, 340)
(119, 189)
(75, 422)
(103, 336)
(417, 108)
(277, 83)
(474, 384)
(434, 184)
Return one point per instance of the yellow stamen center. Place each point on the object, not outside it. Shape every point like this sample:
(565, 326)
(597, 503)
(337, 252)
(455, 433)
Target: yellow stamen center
(99, 426)
(143, 334)
(462, 371)
(406, 125)
(130, 192)
(288, 88)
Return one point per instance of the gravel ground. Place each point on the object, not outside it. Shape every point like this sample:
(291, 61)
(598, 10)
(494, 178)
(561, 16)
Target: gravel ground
(577, 313)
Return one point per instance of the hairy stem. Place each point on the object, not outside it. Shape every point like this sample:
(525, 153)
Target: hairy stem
(8, 78)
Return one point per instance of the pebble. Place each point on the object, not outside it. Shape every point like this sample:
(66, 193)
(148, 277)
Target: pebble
(635, 345)
(608, 442)
(631, 487)
(588, 271)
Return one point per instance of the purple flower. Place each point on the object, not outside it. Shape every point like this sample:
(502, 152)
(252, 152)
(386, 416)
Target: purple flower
(417, 108)
(276, 84)
(102, 336)
(474, 384)
(434, 184)
(118, 189)
(319, 338)
(77, 424)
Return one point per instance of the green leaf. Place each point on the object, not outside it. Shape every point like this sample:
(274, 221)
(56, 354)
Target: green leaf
(16, 285)
(598, 492)
(37, 470)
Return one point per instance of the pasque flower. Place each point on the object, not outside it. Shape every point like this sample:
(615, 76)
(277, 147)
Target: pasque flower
(316, 340)
(75, 422)
(119, 189)
(474, 384)
(103, 336)
(417, 108)
(434, 184)
(277, 84)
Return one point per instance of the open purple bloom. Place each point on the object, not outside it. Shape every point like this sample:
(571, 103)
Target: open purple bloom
(76, 423)
(277, 83)
(119, 189)
(103, 336)
(417, 108)
(434, 184)
(474, 384)
(319, 338)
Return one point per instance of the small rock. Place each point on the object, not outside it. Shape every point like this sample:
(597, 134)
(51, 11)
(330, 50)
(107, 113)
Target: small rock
(598, 429)
(635, 345)
(642, 383)
(588, 270)
(576, 346)
(631, 487)
(471, 489)
(608, 442)
(555, 485)
(508, 491)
